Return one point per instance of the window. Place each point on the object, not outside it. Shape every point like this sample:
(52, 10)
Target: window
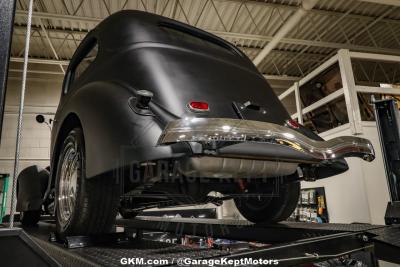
(371, 72)
(366, 109)
(324, 84)
(85, 62)
(334, 113)
(79, 68)
(289, 102)
(327, 117)
(191, 38)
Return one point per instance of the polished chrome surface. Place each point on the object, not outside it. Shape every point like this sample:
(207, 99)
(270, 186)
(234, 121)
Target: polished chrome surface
(220, 167)
(205, 130)
(68, 184)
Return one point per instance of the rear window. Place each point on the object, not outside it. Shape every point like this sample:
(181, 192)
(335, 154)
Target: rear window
(177, 35)
(86, 61)
(76, 72)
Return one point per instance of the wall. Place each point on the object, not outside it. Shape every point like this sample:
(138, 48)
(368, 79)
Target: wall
(361, 193)
(42, 96)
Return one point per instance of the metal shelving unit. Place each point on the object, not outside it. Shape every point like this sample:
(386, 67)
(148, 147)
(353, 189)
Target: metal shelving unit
(4, 190)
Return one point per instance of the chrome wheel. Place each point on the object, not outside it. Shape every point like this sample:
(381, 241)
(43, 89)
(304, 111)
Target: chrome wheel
(67, 186)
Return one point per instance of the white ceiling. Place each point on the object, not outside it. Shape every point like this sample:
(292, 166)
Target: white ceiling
(59, 25)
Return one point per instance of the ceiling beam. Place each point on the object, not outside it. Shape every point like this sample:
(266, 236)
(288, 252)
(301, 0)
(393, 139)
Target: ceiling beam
(281, 78)
(333, 45)
(317, 11)
(305, 56)
(40, 61)
(55, 16)
(254, 37)
(64, 62)
(50, 44)
(46, 15)
(286, 27)
(22, 27)
(38, 72)
(383, 2)
(246, 49)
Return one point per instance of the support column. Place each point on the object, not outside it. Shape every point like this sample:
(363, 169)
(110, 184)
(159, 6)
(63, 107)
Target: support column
(350, 93)
(298, 103)
(7, 12)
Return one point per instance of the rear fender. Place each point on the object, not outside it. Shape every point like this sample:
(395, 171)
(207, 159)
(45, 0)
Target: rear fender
(115, 135)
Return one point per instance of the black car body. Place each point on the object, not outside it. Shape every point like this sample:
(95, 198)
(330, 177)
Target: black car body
(179, 64)
(143, 89)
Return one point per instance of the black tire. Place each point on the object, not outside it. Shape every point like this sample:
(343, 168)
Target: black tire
(30, 217)
(96, 204)
(270, 209)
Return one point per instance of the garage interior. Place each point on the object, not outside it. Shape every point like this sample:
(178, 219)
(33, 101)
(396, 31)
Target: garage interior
(324, 59)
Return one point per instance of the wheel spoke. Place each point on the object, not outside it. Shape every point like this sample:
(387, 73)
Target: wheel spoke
(68, 183)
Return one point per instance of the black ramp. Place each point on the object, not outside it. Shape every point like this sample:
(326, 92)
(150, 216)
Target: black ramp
(293, 243)
(240, 229)
(111, 253)
(387, 243)
(18, 249)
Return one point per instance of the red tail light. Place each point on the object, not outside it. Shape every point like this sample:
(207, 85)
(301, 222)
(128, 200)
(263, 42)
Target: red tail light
(293, 124)
(198, 106)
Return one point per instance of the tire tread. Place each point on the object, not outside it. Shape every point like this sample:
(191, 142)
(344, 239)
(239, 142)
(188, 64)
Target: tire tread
(97, 198)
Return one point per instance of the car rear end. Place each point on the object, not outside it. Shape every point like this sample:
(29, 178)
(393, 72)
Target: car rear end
(210, 96)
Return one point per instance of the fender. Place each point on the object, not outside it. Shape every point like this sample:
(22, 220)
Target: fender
(32, 184)
(115, 136)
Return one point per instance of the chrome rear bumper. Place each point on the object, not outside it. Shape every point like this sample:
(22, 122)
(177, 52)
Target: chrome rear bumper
(205, 130)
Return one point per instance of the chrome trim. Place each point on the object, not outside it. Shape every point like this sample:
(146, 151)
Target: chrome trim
(205, 130)
(220, 167)
(68, 184)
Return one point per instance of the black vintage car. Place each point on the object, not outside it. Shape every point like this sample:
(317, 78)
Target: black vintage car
(157, 113)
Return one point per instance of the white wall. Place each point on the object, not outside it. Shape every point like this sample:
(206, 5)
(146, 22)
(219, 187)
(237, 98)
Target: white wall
(42, 96)
(361, 193)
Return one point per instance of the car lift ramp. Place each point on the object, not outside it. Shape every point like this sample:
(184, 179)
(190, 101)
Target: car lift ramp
(292, 243)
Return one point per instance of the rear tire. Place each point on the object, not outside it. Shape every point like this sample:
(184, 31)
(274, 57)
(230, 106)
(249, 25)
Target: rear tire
(270, 209)
(83, 206)
(30, 217)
